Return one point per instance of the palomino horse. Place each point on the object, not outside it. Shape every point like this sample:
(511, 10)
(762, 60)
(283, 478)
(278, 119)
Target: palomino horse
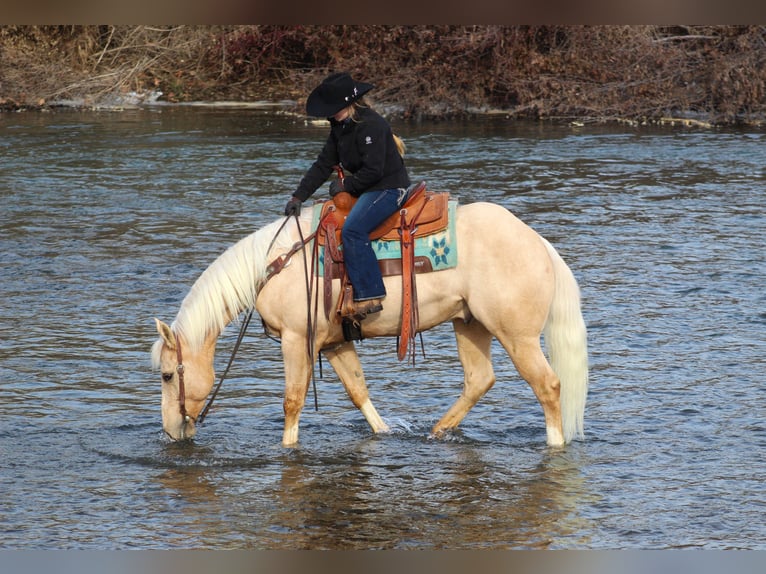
(509, 283)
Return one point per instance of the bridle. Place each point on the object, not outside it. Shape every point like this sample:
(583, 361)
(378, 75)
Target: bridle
(182, 387)
(274, 268)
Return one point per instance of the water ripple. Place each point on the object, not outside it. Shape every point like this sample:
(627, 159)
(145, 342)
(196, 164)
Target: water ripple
(109, 218)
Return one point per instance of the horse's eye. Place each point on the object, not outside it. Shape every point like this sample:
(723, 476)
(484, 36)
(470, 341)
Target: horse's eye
(167, 377)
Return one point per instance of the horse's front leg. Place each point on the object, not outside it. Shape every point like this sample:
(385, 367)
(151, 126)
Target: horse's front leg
(345, 361)
(297, 379)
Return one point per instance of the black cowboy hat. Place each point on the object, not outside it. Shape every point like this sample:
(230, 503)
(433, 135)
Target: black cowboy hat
(336, 92)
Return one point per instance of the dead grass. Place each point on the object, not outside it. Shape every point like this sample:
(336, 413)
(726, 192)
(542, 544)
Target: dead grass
(590, 73)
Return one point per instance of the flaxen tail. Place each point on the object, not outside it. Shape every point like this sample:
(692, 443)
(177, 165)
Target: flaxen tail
(566, 340)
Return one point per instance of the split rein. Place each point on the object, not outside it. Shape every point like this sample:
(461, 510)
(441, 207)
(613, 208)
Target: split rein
(274, 267)
(180, 370)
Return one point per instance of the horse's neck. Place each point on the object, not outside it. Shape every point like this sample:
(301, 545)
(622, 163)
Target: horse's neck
(232, 283)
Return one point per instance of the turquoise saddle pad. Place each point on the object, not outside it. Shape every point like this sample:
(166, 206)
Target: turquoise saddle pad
(440, 248)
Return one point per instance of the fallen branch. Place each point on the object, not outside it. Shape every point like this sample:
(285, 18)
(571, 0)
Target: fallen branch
(685, 122)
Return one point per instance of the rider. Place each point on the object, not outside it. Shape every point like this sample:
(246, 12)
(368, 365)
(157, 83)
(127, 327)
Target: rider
(362, 143)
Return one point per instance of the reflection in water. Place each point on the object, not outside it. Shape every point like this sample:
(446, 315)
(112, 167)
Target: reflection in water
(192, 483)
(453, 496)
(463, 502)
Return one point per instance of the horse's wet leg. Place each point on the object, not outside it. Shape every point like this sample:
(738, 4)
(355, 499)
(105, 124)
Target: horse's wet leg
(297, 378)
(473, 347)
(535, 369)
(345, 361)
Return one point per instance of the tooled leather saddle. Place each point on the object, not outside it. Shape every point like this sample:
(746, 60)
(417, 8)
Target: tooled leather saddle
(424, 213)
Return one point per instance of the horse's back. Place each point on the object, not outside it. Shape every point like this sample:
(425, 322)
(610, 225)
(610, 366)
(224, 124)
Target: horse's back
(494, 220)
(488, 232)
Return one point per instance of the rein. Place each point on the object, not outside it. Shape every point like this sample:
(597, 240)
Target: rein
(182, 387)
(241, 336)
(274, 267)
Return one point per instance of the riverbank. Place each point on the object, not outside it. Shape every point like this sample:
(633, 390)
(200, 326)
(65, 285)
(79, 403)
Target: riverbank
(705, 75)
(290, 107)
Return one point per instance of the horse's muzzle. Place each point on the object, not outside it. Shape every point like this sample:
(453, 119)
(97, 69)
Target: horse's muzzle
(184, 431)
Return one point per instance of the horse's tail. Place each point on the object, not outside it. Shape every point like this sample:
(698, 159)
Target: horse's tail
(566, 340)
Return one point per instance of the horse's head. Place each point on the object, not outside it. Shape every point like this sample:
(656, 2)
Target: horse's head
(187, 378)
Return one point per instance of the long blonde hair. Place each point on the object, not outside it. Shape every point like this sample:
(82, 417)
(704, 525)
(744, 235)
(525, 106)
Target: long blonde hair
(361, 103)
(400, 147)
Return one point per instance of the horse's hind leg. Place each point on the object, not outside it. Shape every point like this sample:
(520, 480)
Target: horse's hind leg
(345, 361)
(473, 347)
(528, 357)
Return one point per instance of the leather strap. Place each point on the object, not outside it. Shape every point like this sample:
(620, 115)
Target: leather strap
(410, 314)
(408, 266)
(181, 385)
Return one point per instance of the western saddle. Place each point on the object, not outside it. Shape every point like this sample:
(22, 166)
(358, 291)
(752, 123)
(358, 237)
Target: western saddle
(424, 213)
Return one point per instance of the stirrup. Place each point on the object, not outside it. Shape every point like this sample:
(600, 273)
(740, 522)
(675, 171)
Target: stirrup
(352, 329)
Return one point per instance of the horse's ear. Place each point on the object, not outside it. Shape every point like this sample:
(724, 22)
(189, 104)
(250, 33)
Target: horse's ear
(166, 333)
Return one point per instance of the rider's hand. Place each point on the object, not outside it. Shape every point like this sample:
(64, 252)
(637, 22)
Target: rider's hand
(336, 186)
(293, 207)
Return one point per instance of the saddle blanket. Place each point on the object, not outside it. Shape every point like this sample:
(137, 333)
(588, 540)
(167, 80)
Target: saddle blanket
(440, 248)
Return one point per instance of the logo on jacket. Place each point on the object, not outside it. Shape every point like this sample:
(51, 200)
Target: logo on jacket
(368, 140)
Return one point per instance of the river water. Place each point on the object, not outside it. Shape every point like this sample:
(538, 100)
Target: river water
(108, 218)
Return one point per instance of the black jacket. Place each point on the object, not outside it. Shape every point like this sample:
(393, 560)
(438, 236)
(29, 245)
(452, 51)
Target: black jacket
(366, 150)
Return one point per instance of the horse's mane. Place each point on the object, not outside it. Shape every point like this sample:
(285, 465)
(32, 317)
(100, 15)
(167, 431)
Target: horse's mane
(231, 283)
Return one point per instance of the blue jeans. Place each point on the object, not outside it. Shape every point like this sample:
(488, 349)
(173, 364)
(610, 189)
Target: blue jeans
(370, 210)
